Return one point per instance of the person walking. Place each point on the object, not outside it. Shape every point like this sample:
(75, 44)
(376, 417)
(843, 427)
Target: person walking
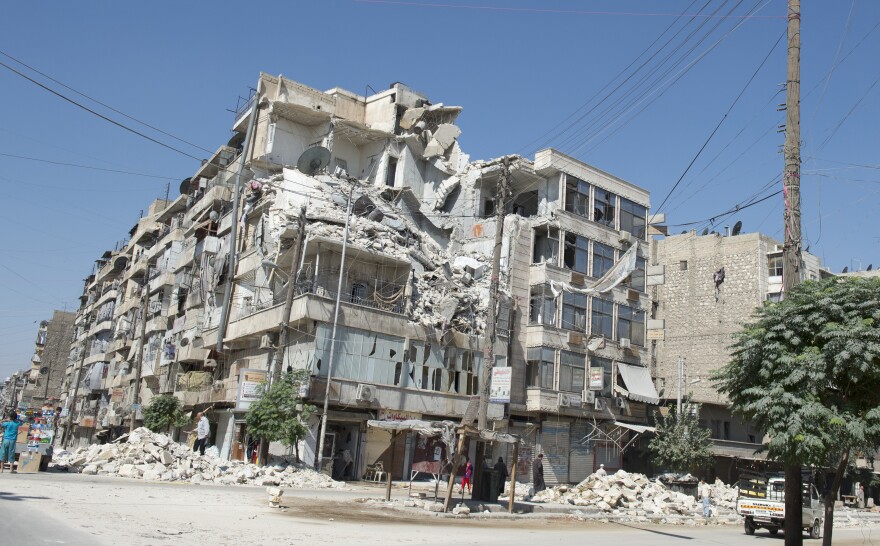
(501, 468)
(538, 473)
(10, 435)
(601, 472)
(860, 496)
(705, 496)
(468, 472)
(202, 430)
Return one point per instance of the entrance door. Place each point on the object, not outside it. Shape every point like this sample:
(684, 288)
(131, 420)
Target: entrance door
(239, 442)
(329, 450)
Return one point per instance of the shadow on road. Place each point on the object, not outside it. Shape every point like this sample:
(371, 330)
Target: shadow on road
(673, 535)
(9, 496)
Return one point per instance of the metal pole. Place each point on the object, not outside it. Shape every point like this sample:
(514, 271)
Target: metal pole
(227, 294)
(72, 401)
(489, 361)
(320, 458)
(145, 302)
(288, 299)
(791, 250)
(513, 477)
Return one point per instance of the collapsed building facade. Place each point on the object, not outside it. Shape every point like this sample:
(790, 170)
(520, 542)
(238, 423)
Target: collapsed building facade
(48, 364)
(413, 289)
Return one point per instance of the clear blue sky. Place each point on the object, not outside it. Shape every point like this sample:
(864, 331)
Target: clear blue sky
(518, 67)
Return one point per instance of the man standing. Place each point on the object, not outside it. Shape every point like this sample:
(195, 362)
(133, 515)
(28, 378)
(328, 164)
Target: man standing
(538, 473)
(203, 428)
(705, 495)
(601, 472)
(10, 435)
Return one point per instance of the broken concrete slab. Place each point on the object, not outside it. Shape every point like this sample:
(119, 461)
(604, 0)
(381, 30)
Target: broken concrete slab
(441, 139)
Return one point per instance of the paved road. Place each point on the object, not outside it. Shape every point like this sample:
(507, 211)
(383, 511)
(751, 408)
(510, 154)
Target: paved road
(25, 519)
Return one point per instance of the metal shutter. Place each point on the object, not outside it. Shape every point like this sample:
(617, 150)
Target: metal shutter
(580, 459)
(555, 445)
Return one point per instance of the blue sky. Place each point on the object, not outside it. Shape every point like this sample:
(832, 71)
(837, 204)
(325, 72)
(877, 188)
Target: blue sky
(518, 67)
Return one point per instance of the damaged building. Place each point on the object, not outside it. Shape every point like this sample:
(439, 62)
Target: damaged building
(413, 288)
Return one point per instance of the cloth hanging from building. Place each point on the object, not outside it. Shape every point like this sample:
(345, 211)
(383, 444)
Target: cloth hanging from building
(639, 386)
(614, 276)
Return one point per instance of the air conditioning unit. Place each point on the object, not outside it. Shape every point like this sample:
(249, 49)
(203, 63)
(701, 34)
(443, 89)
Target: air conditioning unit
(577, 278)
(565, 400)
(366, 393)
(620, 402)
(599, 404)
(266, 342)
(589, 397)
(575, 338)
(624, 343)
(93, 404)
(624, 236)
(632, 295)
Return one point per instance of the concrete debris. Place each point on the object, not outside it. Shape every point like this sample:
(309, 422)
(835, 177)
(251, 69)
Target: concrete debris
(274, 496)
(636, 496)
(441, 140)
(461, 510)
(154, 457)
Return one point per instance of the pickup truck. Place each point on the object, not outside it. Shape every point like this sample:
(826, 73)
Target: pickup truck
(761, 501)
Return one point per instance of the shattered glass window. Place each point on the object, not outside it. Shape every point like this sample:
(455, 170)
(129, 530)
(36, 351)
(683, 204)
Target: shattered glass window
(576, 252)
(577, 196)
(603, 259)
(542, 309)
(631, 324)
(601, 318)
(603, 207)
(633, 218)
(574, 311)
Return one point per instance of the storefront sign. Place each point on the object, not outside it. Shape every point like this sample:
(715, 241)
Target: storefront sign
(597, 379)
(87, 422)
(117, 394)
(397, 415)
(499, 390)
(249, 382)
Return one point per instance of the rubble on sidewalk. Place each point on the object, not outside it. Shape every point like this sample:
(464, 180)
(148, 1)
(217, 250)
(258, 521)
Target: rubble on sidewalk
(154, 457)
(636, 496)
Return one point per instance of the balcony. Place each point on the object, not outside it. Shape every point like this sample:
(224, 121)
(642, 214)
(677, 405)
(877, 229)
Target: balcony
(157, 323)
(162, 278)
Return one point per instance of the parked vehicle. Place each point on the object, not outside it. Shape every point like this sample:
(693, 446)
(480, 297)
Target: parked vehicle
(761, 502)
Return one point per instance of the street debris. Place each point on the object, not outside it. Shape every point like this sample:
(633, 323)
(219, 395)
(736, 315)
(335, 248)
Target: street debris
(155, 457)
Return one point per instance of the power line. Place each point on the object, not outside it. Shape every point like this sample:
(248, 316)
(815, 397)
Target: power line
(102, 116)
(90, 167)
(107, 106)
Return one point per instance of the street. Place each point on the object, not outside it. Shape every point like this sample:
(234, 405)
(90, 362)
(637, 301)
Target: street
(56, 508)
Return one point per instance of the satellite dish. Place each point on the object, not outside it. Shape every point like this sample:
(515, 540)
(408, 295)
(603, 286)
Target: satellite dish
(845, 269)
(120, 262)
(184, 342)
(737, 227)
(870, 267)
(313, 160)
(44, 370)
(214, 216)
(185, 186)
(705, 232)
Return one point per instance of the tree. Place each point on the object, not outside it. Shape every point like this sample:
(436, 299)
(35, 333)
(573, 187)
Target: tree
(807, 371)
(279, 415)
(681, 444)
(164, 412)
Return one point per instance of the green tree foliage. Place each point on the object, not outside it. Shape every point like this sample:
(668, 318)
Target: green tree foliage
(681, 444)
(164, 412)
(807, 371)
(279, 415)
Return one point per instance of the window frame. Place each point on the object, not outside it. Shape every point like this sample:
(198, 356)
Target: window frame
(579, 246)
(606, 201)
(631, 320)
(577, 305)
(540, 369)
(572, 369)
(598, 310)
(601, 258)
(635, 224)
(575, 188)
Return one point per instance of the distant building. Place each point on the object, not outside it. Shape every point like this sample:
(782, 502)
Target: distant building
(49, 362)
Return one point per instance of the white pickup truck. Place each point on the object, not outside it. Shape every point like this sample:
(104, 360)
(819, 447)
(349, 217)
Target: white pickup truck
(762, 502)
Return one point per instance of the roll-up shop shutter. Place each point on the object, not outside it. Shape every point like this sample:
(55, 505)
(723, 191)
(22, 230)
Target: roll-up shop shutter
(555, 445)
(580, 459)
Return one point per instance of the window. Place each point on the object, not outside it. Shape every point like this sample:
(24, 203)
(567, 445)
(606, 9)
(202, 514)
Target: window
(774, 297)
(576, 252)
(631, 324)
(607, 367)
(775, 266)
(539, 367)
(683, 265)
(600, 320)
(603, 207)
(633, 218)
(571, 371)
(488, 207)
(603, 259)
(391, 173)
(574, 311)
(358, 292)
(546, 246)
(637, 277)
(542, 309)
(577, 196)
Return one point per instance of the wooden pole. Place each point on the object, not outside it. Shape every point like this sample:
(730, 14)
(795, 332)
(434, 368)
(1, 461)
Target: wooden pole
(456, 461)
(391, 466)
(513, 477)
(145, 304)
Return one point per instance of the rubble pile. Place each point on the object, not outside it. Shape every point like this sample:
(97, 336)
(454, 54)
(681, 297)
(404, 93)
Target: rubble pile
(628, 494)
(150, 456)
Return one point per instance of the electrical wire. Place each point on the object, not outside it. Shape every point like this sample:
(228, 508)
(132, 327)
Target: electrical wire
(90, 167)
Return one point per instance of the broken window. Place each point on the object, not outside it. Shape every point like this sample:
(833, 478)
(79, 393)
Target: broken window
(631, 325)
(546, 246)
(636, 279)
(391, 172)
(359, 293)
(775, 266)
(574, 311)
(603, 259)
(571, 371)
(603, 207)
(577, 196)
(576, 252)
(540, 365)
(633, 218)
(488, 207)
(542, 308)
(607, 366)
(601, 317)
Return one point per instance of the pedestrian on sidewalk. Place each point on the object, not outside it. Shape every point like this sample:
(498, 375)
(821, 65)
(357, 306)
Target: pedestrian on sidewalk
(10, 435)
(468, 472)
(860, 496)
(706, 496)
(538, 473)
(501, 468)
(203, 428)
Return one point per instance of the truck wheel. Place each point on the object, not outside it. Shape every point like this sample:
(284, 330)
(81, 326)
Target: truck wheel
(816, 530)
(750, 527)
(774, 531)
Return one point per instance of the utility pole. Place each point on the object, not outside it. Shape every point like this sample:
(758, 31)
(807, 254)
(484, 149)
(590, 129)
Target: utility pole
(320, 457)
(145, 300)
(492, 318)
(71, 402)
(791, 250)
(288, 299)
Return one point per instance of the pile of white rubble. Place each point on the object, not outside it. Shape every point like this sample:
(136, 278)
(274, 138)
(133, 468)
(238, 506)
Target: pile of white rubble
(155, 457)
(635, 495)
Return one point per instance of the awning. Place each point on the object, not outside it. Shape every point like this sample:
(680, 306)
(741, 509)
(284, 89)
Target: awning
(637, 428)
(638, 382)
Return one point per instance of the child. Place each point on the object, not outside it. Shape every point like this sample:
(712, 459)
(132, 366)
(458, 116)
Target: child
(468, 472)
(10, 434)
